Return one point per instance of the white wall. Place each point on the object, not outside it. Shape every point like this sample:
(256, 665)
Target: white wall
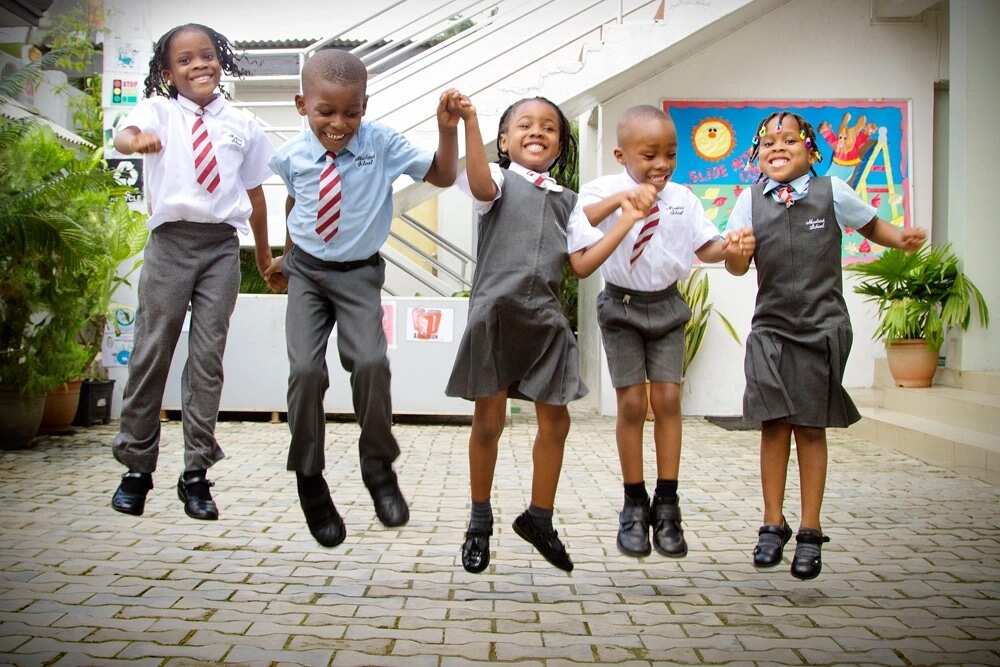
(805, 49)
(974, 145)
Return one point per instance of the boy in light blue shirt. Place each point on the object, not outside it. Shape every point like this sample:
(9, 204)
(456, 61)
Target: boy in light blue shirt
(339, 175)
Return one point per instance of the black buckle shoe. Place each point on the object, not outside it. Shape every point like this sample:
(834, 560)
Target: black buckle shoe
(476, 550)
(668, 535)
(633, 529)
(546, 540)
(807, 562)
(324, 521)
(130, 496)
(771, 542)
(390, 506)
(194, 493)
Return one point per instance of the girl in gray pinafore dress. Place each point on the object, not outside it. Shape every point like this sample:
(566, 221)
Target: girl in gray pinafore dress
(801, 332)
(517, 341)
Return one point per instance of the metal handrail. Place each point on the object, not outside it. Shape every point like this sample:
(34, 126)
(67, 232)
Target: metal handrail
(430, 258)
(437, 238)
(413, 274)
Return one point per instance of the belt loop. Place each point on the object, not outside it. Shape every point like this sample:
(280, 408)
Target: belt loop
(626, 300)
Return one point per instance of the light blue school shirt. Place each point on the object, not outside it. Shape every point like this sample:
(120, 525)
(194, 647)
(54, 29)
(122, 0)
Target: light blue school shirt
(851, 211)
(374, 157)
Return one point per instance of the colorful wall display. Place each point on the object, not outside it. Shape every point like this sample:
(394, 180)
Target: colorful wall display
(863, 142)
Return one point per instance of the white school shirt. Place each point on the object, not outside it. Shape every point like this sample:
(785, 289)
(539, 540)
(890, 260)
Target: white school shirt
(850, 209)
(669, 254)
(582, 235)
(241, 149)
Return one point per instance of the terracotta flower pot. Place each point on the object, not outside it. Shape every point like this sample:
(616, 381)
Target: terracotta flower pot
(912, 363)
(60, 407)
(19, 418)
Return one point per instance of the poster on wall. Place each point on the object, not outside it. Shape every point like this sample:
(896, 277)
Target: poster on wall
(121, 89)
(864, 143)
(116, 348)
(128, 172)
(112, 119)
(430, 324)
(126, 55)
(389, 324)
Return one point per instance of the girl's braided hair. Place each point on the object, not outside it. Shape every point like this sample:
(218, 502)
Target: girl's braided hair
(806, 133)
(157, 84)
(567, 143)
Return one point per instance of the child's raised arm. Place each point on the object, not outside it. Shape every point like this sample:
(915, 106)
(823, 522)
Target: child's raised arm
(586, 261)
(641, 198)
(881, 232)
(444, 168)
(131, 140)
(476, 166)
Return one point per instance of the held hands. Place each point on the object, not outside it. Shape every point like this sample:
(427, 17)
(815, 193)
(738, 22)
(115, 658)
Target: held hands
(275, 277)
(739, 243)
(146, 142)
(912, 238)
(452, 107)
(639, 200)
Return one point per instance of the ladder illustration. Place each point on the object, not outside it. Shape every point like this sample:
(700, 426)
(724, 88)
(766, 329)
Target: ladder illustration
(882, 149)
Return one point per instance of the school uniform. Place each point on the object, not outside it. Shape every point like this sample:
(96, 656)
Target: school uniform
(335, 276)
(640, 311)
(801, 333)
(517, 337)
(196, 189)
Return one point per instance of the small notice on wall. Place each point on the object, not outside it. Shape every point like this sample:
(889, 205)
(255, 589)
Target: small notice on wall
(430, 324)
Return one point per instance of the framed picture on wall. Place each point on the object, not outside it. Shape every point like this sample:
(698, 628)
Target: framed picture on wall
(865, 143)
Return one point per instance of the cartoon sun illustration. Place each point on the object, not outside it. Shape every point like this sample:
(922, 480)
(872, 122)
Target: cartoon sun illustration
(713, 139)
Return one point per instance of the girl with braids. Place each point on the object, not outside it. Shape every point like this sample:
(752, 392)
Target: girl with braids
(517, 342)
(801, 332)
(204, 166)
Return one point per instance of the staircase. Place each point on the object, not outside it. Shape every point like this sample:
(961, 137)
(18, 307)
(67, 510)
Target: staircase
(953, 424)
(577, 53)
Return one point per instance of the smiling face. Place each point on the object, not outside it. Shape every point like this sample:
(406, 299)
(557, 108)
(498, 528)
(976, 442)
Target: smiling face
(531, 137)
(334, 110)
(648, 150)
(193, 66)
(783, 153)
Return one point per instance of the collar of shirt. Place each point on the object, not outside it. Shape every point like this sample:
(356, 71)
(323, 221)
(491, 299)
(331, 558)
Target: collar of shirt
(529, 175)
(212, 108)
(800, 185)
(317, 152)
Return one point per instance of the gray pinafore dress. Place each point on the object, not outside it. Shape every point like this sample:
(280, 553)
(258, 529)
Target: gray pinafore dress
(801, 332)
(517, 337)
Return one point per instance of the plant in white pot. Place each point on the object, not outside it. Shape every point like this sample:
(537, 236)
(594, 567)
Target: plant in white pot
(919, 295)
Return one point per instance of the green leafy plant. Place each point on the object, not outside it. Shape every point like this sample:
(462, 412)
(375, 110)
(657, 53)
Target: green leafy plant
(920, 294)
(65, 229)
(694, 291)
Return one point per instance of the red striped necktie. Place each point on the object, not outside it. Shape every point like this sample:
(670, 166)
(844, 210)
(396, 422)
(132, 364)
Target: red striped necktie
(785, 195)
(206, 167)
(329, 199)
(646, 232)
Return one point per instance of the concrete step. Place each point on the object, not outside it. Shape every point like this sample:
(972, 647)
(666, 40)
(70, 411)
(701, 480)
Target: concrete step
(987, 382)
(965, 450)
(972, 410)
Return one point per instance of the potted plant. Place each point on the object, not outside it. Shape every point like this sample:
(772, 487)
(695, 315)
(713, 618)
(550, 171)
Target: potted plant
(919, 295)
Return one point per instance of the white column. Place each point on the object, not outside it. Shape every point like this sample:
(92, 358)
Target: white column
(974, 149)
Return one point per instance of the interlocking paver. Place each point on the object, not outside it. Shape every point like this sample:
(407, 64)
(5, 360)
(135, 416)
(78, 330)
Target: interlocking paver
(912, 575)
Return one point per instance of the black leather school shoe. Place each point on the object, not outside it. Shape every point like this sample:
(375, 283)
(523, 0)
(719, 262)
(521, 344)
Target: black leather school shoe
(808, 560)
(546, 540)
(668, 535)
(130, 496)
(771, 542)
(194, 492)
(633, 529)
(390, 506)
(476, 550)
(324, 521)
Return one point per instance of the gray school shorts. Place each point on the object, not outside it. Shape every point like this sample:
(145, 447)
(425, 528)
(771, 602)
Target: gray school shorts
(643, 334)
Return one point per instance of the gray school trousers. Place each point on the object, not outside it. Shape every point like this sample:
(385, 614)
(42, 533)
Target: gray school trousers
(348, 294)
(184, 262)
